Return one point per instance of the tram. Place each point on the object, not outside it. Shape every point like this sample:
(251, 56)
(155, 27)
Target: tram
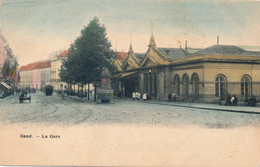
(48, 90)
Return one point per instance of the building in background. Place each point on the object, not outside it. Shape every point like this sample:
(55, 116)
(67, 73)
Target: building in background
(122, 61)
(35, 75)
(3, 43)
(56, 63)
(121, 56)
(202, 75)
(9, 73)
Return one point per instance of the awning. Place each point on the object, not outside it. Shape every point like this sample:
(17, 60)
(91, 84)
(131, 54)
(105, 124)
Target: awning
(5, 85)
(127, 74)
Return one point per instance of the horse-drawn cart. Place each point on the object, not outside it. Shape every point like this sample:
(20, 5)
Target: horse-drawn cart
(24, 97)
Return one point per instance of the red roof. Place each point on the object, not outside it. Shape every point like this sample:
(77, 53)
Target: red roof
(36, 65)
(121, 55)
(65, 53)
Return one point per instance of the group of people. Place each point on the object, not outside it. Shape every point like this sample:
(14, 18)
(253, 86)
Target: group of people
(252, 101)
(172, 97)
(231, 100)
(137, 96)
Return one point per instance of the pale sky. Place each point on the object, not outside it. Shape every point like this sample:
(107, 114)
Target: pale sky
(36, 28)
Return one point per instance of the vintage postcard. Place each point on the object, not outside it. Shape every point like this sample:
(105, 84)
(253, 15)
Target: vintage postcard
(129, 83)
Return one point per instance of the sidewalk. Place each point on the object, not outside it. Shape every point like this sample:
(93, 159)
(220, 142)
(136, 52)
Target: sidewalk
(206, 106)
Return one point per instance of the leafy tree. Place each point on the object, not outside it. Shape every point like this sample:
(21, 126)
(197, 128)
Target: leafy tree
(89, 55)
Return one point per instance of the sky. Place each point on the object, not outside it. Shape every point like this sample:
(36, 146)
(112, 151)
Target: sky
(35, 29)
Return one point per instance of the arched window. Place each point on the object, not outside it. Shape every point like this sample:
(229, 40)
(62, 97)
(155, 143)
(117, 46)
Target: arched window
(185, 81)
(195, 84)
(246, 86)
(220, 86)
(177, 82)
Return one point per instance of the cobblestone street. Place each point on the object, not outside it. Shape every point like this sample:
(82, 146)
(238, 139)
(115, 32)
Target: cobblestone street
(125, 132)
(50, 110)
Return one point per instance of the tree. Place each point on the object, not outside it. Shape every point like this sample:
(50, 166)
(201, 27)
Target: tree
(89, 55)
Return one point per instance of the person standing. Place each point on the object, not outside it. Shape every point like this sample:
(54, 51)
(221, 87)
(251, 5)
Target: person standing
(62, 96)
(133, 95)
(144, 96)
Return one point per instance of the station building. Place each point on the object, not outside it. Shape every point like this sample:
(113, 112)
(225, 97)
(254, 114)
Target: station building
(194, 75)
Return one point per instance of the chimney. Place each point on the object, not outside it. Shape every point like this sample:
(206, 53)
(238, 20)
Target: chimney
(217, 40)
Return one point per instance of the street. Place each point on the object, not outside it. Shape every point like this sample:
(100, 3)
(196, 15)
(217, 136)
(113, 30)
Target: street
(124, 133)
(51, 110)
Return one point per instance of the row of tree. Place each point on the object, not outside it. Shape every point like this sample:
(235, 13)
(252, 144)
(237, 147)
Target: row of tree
(88, 56)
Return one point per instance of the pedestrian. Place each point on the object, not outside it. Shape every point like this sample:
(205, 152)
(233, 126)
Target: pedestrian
(22, 94)
(138, 95)
(228, 101)
(144, 96)
(169, 97)
(174, 96)
(133, 95)
(62, 96)
(148, 96)
(232, 99)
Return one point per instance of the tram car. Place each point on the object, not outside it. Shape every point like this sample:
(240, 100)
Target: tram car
(48, 90)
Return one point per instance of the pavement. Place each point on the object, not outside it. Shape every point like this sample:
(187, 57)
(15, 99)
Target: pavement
(206, 106)
(209, 106)
(131, 128)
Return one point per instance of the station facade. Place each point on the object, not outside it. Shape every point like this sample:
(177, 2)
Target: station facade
(194, 75)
